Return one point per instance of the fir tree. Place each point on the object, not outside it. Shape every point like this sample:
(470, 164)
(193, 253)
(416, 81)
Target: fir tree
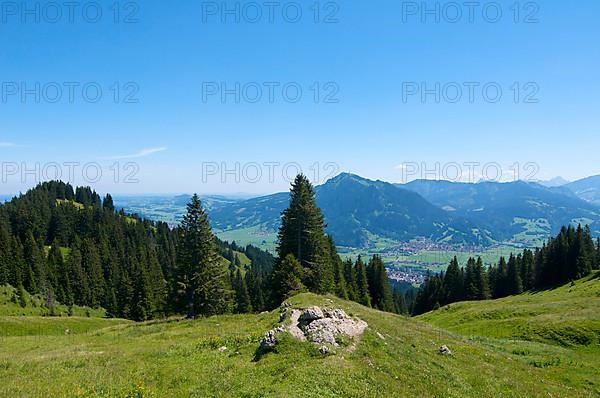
(350, 278)
(514, 282)
(482, 281)
(202, 280)
(287, 279)
(379, 285)
(243, 304)
(362, 282)
(302, 235)
(454, 283)
(108, 203)
(338, 270)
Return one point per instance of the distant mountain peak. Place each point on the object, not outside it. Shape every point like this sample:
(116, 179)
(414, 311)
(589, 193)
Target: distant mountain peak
(554, 182)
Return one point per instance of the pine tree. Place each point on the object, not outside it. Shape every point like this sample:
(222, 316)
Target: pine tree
(379, 285)
(302, 234)
(108, 203)
(514, 282)
(399, 303)
(453, 283)
(350, 277)
(254, 283)
(287, 279)
(202, 280)
(362, 283)
(35, 274)
(528, 270)
(243, 304)
(338, 270)
(471, 283)
(482, 281)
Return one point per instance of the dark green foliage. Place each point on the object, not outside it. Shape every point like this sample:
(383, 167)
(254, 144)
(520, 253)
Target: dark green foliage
(302, 234)
(108, 203)
(482, 281)
(570, 255)
(454, 282)
(362, 283)
(400, 306)
(72, 247)
(338, 270)
(201, 279)
(514, 284)
(242, 297)
(287, 278)
(350, 278)
(379, 285)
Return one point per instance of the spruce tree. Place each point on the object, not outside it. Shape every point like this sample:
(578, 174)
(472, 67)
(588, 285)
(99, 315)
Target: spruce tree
(471, 283)
(243, 304)
(108, 203)
(202, 280)
(453, 283)
(400, 303)
(482, 281)
(362, 282)
(514, 282)
(302, 234)
(350, 278)
(338, 270)
(287, 279)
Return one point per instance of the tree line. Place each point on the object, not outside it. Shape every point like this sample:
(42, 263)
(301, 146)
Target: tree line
(72, 246)
(571, 255)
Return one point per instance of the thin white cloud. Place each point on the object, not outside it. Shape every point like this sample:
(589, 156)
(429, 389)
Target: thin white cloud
(6, 145)
(140, 154)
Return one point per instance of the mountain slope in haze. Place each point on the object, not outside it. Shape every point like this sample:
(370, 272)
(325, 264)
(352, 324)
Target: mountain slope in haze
(355, 209)
(587, 189)
(508, 209)
(554, 182)
(395, 357)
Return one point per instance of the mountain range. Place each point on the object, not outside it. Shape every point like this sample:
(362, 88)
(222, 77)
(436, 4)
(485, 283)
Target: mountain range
(358, 211)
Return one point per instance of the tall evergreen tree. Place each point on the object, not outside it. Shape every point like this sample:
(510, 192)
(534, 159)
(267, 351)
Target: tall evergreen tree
(242, 298)
(302, 234)
(350, 277)
(362, 283)
(453, 282)
(379, 285)
(482, 281)
(514, 282)
(338, 270)
(287, 279)
(202, 280)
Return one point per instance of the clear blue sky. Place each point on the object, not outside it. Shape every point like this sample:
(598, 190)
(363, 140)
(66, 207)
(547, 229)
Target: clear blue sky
(369, 55)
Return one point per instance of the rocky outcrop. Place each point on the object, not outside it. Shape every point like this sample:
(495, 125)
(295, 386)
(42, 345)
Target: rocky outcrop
(320, 326)
(330, 325)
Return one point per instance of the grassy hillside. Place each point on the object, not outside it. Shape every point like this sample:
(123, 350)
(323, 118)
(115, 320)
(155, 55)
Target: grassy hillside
(395, 357)
(568, 315)
(12, 305)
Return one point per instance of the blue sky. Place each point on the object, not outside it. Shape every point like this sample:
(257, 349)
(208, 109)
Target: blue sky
(175, 137)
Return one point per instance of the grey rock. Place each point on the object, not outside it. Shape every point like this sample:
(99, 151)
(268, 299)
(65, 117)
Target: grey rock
(311, 314)
(269, 340)
(444, 350)
(222, 349)
(324, 350)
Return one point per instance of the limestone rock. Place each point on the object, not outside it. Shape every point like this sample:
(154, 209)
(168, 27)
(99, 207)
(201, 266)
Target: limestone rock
(444, 350)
